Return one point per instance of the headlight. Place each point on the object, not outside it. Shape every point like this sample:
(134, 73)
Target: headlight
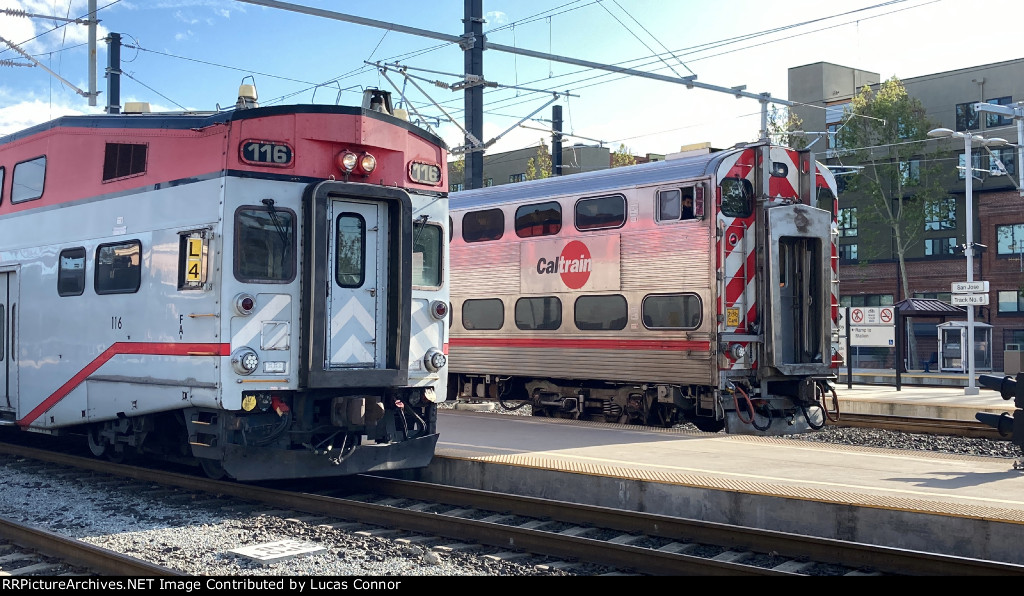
(434, 360)
(737, 351)
(245, 361)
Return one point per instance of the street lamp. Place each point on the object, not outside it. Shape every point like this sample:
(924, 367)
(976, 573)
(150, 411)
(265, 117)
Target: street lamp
(969, 141)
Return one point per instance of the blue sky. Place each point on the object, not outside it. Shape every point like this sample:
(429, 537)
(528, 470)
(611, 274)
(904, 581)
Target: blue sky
(194, 54)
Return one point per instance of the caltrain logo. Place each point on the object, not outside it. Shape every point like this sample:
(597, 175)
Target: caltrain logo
(573, 265)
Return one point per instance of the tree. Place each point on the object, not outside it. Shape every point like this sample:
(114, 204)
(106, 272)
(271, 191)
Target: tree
(781, 123)
(540, 166)
(457, 169)
(895, 186)
(623, 157)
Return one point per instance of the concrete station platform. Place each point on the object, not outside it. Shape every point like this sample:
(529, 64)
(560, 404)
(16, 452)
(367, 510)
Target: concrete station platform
(961, 505)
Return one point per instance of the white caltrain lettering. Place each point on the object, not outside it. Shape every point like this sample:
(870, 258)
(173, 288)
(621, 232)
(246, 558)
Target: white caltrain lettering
(563, 265)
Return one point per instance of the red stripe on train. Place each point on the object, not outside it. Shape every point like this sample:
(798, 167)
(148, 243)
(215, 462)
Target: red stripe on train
(160, 349)
(582, 344)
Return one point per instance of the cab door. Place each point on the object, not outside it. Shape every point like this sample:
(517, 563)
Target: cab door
(358, 285)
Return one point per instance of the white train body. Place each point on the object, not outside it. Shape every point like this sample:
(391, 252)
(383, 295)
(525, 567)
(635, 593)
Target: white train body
(227, 287)
(596, 296)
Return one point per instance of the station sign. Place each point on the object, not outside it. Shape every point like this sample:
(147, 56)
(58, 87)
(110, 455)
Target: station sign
(969, 299)
(876, 336)
(969, 287)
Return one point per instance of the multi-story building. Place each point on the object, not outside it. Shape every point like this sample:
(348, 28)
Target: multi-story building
(824, 90)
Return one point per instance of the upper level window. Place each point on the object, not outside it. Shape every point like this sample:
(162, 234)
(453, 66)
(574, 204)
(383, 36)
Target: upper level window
(910, 172)
(848, 222)
(834, 115)
(1002, 161)
(455, 187)
(847, 252)
(124, 159)
(939, 246)
(118, 268)
(517, 177)
(71, 272)
(427, 256)
(866, 300)
(478, 226)
(994, 120)
(2, 171)
(975, 164)
(940, 214)
(541, 219)
(488, 182)
(264, 244)
(27, 183)
(601, 212)
(966, 117)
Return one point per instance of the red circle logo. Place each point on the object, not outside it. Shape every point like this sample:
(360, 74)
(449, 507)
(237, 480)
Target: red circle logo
(575, 265)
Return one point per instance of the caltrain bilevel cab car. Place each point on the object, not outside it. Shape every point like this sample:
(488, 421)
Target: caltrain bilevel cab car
(261, 291)
(701, 289)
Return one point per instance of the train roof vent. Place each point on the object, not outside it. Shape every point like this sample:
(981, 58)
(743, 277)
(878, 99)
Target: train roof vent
(247, 97)
(136, 107)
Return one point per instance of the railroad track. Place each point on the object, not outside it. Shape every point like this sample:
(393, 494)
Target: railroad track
(27, 551)
(557, 534)
(910, 424)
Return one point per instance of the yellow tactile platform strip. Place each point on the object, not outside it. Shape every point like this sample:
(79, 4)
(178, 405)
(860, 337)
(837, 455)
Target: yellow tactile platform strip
(754, 488)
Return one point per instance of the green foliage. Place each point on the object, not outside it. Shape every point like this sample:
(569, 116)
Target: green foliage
(623, 157)
(896, 186)
(539, 167)
(780, 123)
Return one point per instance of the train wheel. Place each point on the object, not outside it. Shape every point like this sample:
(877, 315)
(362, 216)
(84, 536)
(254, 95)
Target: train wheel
(97, 446)
(212, 468)
(115, 455)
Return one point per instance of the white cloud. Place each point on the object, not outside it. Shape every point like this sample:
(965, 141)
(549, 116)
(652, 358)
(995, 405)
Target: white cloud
(31, 112)
(496, 17)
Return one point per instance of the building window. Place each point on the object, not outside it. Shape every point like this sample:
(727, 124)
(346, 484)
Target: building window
(939, 246)
(483, 314)
(993, 120)
(541, 219)
(517, 177)
(1013, 337)
(910, 172)
(866, 300)
(28, 180)
(124, 159)
(943, 296)
(487, 182)
(600, 313)
(544, 313)
(1010, 239)
(71, 272)
(848, 222)
(940, 214)
(1011, 301)
(975, 164)
(118, 268)
(455, 187)
(1007, 157)
(847, 252)
(601, 213)
(478, 226)
(966, 117)
(672, 311)
(834, 115)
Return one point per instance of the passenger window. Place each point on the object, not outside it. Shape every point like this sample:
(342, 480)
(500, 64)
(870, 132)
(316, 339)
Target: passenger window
(544, 219)
(350, 251)
(479, 226)
(264, 244)
(672, 311)
(601, 213)
(737, 197)
(2, 170)
(539, 313)
(600, 313)
(118, 268)
(28, 180)
(486, 314)
(676, 204)
(71, 272)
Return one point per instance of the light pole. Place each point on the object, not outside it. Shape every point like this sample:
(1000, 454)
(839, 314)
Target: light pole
(969, 141)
